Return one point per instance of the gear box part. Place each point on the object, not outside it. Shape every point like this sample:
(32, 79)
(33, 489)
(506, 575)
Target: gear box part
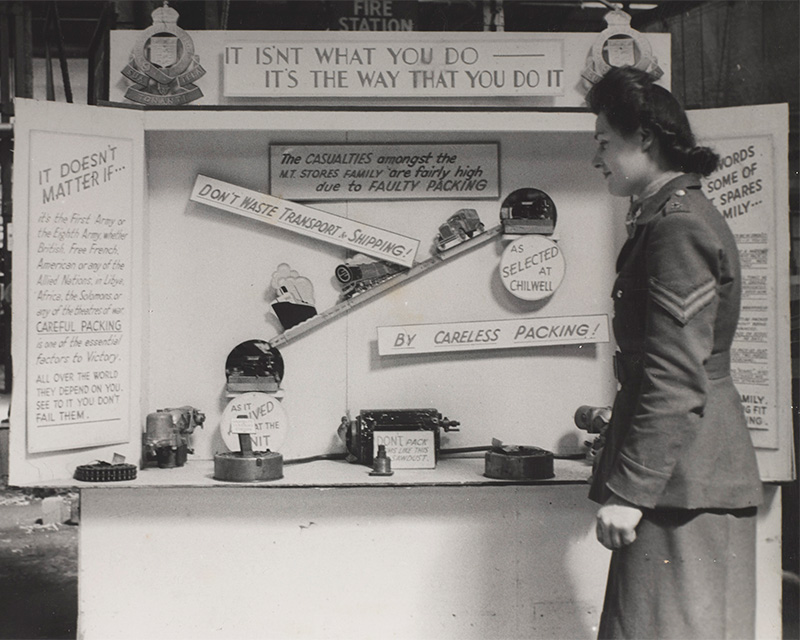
(508, 462)
(359, 434)
(256, 466)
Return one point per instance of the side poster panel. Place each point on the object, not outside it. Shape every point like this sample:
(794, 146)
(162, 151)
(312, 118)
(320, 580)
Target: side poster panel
(80, 253)
(743, 189)
(750, 189)
(78, 288)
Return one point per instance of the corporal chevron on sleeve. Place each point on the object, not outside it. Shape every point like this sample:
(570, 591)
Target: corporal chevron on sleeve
(682, 308)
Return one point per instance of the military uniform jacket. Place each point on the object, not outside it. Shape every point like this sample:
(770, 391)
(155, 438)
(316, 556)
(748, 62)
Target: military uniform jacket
(677, 436)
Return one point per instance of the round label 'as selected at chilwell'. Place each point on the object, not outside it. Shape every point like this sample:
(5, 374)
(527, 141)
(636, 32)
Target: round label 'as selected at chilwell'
(532, 267)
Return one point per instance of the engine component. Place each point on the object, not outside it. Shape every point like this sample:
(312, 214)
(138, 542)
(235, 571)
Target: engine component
(593, 420)
(105, 472)
(528, 211)
(358, 434)
(166, 440)
(247, 465)
(382, 464)
(461, 226)
(257, 466)
(512, 462)
(253, 365)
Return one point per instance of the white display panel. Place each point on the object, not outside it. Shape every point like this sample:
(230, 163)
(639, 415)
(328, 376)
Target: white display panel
(80, 257)
(751, 190)
(208, 286)
(78, 286)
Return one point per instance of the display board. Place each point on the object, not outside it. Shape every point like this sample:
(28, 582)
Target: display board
(80, 253)
(208, 278)
(78, 196)
(306, 67)
(750, 189)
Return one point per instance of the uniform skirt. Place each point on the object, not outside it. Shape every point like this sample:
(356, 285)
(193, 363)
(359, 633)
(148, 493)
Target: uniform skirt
(689, 574)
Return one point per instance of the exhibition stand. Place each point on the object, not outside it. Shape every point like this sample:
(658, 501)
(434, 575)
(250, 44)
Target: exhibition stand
(152, 243)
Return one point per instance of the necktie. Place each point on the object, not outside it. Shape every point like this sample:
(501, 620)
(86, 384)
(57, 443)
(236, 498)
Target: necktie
(633, 214)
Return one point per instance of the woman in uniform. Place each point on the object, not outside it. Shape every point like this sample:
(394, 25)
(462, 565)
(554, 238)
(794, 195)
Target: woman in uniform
(677, 478)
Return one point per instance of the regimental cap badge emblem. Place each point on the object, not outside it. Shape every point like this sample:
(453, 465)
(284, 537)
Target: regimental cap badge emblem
(619, 45)
(163, 63)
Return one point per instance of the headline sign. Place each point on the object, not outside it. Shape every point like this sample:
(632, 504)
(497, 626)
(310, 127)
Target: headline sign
(380, 172)
(373, 241)
(492, 334)
(418, 65)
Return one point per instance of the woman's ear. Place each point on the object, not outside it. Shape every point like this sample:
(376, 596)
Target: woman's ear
(648, 139)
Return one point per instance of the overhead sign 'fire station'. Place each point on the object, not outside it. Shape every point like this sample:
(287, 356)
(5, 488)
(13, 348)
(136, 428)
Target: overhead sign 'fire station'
(428, 65)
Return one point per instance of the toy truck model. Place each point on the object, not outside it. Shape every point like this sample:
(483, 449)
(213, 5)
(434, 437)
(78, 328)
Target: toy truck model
(461, 226)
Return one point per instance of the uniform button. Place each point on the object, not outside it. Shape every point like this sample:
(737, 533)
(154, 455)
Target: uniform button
(619, 293)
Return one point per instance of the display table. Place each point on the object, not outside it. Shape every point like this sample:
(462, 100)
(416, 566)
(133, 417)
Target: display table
(332, 552)
(452, 471)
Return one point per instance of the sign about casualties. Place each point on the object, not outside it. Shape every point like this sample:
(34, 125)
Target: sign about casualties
(384, 172)
(80, 249)
(351, 234)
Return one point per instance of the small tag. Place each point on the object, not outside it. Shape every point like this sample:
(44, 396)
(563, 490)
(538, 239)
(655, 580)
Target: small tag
(118, 459)
(243, 424)
(407, 449)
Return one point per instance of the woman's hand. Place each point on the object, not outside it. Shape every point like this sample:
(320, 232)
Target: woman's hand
(616, 523)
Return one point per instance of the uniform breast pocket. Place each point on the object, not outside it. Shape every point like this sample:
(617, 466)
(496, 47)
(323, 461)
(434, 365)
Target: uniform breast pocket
(630, 300)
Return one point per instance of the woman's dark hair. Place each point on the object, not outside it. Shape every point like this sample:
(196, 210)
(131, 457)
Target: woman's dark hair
(630, 99)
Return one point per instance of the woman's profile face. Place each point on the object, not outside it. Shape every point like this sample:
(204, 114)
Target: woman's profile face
(622, 159)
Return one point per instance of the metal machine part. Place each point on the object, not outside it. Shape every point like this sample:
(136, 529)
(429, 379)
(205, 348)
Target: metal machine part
(593, 420)
(382, 464)
(512, 462)
(105, 472)
(528, 211)
(248, 465)
(257, 466)
(253, 365)
(358, 434)
(166, 440)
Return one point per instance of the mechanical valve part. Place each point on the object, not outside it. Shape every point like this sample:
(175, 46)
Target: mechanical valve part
(592, 419)
(382, 464)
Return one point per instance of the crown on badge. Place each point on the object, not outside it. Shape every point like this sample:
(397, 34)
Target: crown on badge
(165, 15)
(616, 18)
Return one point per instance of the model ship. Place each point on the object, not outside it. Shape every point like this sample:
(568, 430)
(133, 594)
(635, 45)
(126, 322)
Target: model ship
(295, 300)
